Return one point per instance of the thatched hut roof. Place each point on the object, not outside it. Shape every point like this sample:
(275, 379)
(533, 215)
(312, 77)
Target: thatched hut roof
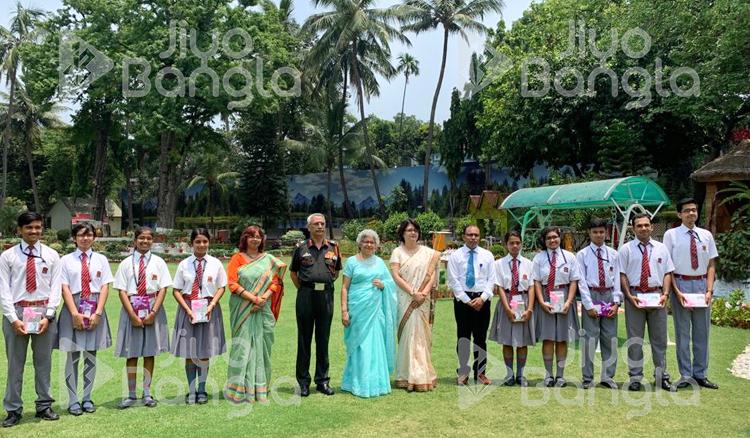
(734, 165)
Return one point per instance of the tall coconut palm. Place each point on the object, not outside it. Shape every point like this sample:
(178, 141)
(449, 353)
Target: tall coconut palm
(357, 36)
(32, 115)
(213, 179)
(409, 66)
(22, 30)
(455, 17)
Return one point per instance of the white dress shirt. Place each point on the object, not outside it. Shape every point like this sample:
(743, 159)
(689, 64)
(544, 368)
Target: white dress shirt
(99, 271)
(484, 276)
(677, 241)
(659, 260)
(567, 267)
(588, 264)
(157, 274)
(13, 278)
(504, 273)
(214, 276)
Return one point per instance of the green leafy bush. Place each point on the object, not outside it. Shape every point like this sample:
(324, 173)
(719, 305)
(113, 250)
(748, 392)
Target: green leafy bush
(734, 263)
(352, 228)
(9, 215)
(731, 311)
(460, 223)
(386, 248)
(292, 237)
(498, 250)
(391, 226)
(57, 246)
(429, 222)
(63, 235)
(347, 247)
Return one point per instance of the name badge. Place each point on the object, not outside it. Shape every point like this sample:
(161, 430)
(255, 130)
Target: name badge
(658, 260)
(210, 279)
(565, 269)
(525, 277)
(98, 274)
(320, 287)
(44, 270)
(154, 277)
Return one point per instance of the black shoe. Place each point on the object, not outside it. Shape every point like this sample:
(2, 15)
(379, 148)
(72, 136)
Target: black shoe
(127, 402)
(190, 399)
(635, 386)
(608, 384)
(666, 385)
(75, 409)
(324, 388)
(304, 390)
(47, 414)
(13, 418)
(549, 382)
(201, 398)
(510, 381)
(560, 382)
(686, 383)
(706, 383)
(522, 382)
(89, 407)
(149, 401)
(587, 384)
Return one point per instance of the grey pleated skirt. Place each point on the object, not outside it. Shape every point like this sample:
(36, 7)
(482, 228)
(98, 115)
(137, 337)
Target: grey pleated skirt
(70, 339)
(142, 341)
(506, 332)
(556, 327)
(198, 341)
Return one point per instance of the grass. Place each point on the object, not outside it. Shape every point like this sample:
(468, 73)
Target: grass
(475, 411)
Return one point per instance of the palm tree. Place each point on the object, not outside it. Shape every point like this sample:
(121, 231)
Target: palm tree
(213, 180)
(22, 31)
(32, 116)
(410, 67)
(356, 37)
(456, 17)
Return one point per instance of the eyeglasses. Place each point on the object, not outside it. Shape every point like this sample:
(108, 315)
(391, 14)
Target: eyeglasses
(472, 235)
(552, 237)
(690, 210)
(367, 243)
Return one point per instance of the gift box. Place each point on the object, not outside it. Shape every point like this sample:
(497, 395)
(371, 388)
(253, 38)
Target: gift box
(650, 299)
(695, 300)
(557, 301)
(200, 311)
(602, 308)
(141, 305)
(87, 308)
(518, 307)
(32, 318)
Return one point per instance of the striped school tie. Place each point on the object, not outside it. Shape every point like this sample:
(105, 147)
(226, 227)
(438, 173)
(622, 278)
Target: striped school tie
(30, 271)
(85, 277)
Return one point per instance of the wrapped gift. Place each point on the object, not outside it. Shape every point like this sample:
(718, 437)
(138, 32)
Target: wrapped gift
(557, 301)
(141, 305)
(602, 308)
(518, 307)
(87, 308)
(32, 318)
(200, 311)
(650, 299)
(695, 300)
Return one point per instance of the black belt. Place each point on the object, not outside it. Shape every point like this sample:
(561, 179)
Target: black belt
(474, 294)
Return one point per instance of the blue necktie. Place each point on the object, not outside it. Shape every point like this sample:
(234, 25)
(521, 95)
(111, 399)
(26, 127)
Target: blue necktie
(470, 280)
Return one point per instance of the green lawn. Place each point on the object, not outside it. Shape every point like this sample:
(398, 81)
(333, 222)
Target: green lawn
(447, 411)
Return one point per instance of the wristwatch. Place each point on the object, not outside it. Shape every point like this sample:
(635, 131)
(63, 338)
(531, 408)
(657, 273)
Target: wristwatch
(50, 318)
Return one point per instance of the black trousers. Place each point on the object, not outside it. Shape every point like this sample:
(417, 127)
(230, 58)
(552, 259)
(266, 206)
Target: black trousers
(471, 324)
(314, 315)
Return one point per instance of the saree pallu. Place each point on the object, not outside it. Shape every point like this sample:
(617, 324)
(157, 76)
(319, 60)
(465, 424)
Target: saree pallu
(414, 370)
(252, 333)
(371, 336)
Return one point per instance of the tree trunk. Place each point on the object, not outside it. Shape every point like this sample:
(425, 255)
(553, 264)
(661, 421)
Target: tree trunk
(100, 167)
(368, 152)
(6, 135)
(165, 213)
(428, 152)
(401, 123)
(328, 198)
(30, 160)
(129, 188)
(347, 208)
(210, 207)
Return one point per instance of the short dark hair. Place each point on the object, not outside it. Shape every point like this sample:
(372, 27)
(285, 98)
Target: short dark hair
(683, 202)
(466, 227)
(597, 223)
(82, 226)
(199, 232)
(402, 229)
(510, 234)
(546, 230)
(28, 217)
(252, 231)
(141, 230)
(637, 216)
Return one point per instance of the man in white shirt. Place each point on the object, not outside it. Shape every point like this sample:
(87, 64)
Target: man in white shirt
(470, 278)
(29, 281)
(600, 291)
(694, 255)
(645, 272)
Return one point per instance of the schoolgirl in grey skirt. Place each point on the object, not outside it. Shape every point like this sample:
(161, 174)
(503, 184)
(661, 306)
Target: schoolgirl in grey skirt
(555, 273)
(83, 326)
(142, 279)
(514, 284)
(198, 282)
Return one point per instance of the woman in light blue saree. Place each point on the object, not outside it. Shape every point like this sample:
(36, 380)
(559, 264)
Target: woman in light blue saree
(368, 312)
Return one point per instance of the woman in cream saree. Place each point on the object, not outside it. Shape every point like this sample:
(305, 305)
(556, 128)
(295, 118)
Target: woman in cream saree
(414, 269)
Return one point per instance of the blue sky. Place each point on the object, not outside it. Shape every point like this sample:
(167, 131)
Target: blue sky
(426, 47)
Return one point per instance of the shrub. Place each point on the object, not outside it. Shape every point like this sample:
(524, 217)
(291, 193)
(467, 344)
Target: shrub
(460, 223)
(734, 263)
(386, 248)
(292, 237)
(391, 225)
(347, 247)
(352, 228)
(57, 246)
(731, 311)
(116, 246)
(429, 222)
(243, 223)
(375, 225)
(63, 235)
(498, 250)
